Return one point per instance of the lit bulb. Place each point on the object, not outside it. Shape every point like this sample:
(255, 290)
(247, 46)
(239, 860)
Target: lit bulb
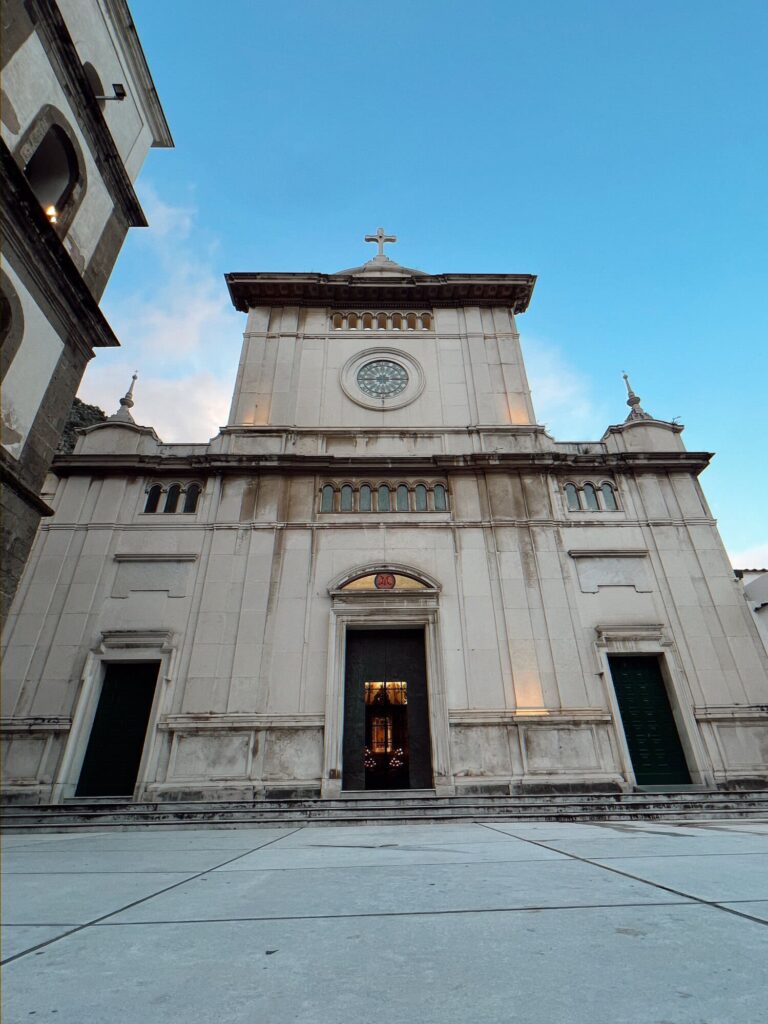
(51, 214)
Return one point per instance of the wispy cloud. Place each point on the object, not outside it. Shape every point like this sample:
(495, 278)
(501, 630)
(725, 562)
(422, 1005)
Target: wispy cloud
(562, 396)
(755, 557)
(177, 328)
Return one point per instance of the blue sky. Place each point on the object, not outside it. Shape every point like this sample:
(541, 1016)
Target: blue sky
(616, 149)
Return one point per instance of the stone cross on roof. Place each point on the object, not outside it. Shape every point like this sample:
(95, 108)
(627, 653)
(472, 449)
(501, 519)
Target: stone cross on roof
(381, 238)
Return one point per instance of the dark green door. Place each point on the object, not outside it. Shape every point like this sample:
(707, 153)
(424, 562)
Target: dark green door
(649, 725)
(386, 720)
(113, 755)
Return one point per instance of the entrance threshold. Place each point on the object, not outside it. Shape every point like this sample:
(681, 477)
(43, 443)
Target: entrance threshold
(384, 794)
(689, 787)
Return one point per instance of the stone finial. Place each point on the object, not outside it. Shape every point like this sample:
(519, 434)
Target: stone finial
(126, 404)
(636, 411)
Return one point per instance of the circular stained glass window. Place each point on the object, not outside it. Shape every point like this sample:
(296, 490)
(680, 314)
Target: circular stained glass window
(382, 378)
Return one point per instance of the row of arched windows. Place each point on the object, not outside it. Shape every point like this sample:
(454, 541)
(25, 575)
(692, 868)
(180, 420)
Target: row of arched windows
(384, 497)
(382, 321)
(178, 498)
(591, 497)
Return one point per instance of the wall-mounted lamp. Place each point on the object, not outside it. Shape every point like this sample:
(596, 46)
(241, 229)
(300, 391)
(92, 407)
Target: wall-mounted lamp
(52, 214)
(119, 93)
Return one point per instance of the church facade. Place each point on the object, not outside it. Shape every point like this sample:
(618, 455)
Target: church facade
(381, 574)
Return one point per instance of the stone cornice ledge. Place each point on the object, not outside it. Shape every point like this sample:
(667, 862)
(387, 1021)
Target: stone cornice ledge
(203, 721)
(521, 716)
(36, 723)
(609, 553)
(731, 712)
(248, 464)
(188, 556)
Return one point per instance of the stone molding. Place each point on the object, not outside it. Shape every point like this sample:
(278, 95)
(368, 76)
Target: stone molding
(609, 553)
(36, 723)
(731, 712)
(128, 639)
(248, 465)
(617, 634)
(525, 716)
(190, 556)
(203, 722)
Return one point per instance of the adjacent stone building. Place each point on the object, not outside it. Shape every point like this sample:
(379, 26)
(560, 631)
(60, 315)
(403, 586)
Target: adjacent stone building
(79, 114)
(381, 574)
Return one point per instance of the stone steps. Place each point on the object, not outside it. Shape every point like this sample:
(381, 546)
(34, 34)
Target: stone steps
(358, 809)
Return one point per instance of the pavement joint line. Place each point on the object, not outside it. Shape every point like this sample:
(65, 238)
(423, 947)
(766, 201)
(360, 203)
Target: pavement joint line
(399, 913)
(656, 885)
(358, 867)
(135, 903)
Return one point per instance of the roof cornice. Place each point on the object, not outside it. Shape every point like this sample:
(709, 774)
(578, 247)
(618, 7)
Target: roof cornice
(249, 290)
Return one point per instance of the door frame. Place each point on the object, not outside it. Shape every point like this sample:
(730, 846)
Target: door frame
(651, 641)
(360, 609)
(116, 646)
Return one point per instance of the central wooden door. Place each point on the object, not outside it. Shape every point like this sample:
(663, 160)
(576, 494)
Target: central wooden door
(649, 725)
(386, 716)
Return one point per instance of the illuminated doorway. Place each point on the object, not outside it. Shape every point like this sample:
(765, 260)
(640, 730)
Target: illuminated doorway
(386, 717)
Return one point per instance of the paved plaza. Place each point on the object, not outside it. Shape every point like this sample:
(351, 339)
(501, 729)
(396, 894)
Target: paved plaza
(609, 923)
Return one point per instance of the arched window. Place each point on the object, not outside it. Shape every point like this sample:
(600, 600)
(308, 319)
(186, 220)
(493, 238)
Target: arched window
(365, 498)
(397, 322)
(172, 498)
(441, 502)
(346, 498)
(95, 83)
(367, 322)
(421, 498)
(153, 498)
(609, 497)
(52, 171)
(381, 321)
(352, 321)
(411, 321)
(326, 501)
(191, 498)
(338, 321)
(383, 503)
(402, 498)
(426, 321)
(590, 497)
(572, 497)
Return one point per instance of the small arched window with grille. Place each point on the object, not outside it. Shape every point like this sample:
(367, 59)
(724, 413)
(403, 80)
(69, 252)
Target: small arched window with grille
(590, 497)
(609, 497)
(384, 503)
(191, 498)
(441, 500)
(153, 498)
(172, 498)
(365, 498)
(402, 498)
(420, 494)
(572, 497)
(347, 496)
(326, 499)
